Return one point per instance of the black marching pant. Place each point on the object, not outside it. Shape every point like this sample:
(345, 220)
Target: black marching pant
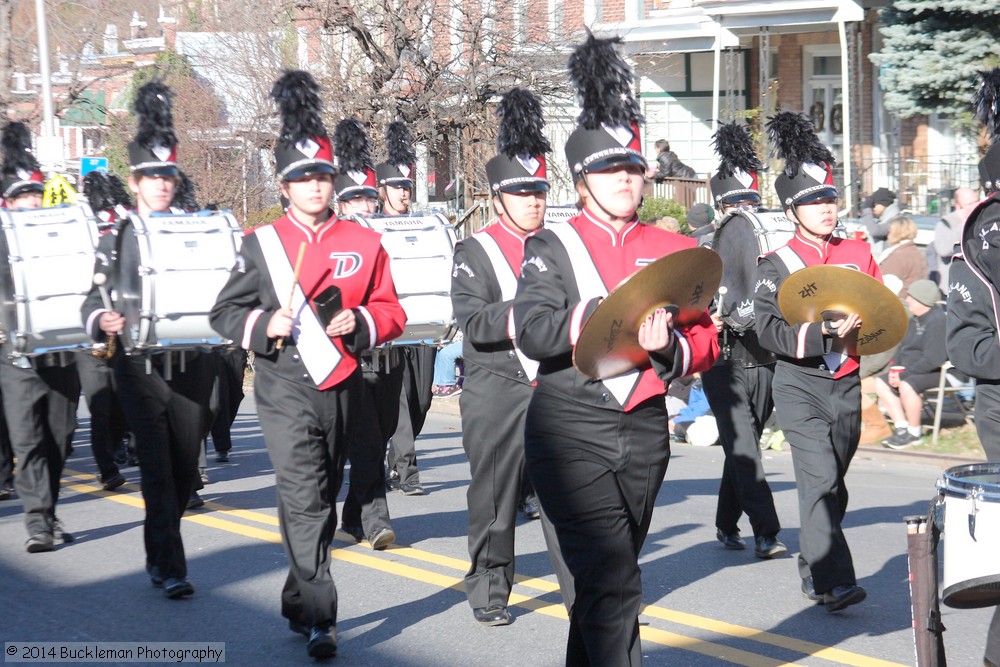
(741, 402)
(169, 419)
(988, 417)
(414, 402)
(40, 406)
(597, 473)
(378, 415)
(107, 421)
(6, 452)
(307, 432)
(228, 394)
(821, 420)
(493, 414)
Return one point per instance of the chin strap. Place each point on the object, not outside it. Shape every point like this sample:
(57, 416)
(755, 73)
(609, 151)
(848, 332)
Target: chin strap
(509, 216)
(583, 177)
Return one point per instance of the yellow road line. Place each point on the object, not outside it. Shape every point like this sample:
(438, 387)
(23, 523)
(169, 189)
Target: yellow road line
(556, 610)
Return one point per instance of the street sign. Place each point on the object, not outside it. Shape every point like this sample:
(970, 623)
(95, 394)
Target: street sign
(58, 191)
(89, 164)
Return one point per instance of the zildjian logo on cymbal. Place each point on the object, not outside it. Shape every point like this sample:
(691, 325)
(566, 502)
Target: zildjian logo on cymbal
(696, 294)
(616, 328)
(808, 291)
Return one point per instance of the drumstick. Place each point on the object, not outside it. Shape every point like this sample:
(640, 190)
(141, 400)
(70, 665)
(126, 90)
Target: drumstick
(723, 290)
(100, 279)
(295, 281)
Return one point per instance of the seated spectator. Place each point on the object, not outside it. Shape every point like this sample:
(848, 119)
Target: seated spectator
(916, 367)
(668, 165)
(445, 376)
(696, 412)
(902, 258)
(877, 210)
(699, 218)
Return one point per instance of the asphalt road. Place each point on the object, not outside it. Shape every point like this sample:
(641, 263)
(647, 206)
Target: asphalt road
(405, 606)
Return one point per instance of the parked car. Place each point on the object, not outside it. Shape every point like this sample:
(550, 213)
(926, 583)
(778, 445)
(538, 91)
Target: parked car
(925, 227)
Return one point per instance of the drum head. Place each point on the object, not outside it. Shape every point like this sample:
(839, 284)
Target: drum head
(128, 284)
(8, 308)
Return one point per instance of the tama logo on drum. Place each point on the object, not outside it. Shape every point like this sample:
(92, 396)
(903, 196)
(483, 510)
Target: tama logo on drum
(345, 264)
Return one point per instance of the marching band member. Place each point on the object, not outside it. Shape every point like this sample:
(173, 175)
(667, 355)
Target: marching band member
(308, 381)
(395, 181)
(164, 395)
(816, 383)
(104, 192)
(498, 376)
(597, 451)
(40, 394)
(366, 512)
(738, 386)
(973, 295)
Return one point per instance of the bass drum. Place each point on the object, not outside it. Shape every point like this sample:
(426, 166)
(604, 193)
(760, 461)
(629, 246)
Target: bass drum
(169, 270)
(969, 498)
(46, 273)
(741, 237)
(421, 251)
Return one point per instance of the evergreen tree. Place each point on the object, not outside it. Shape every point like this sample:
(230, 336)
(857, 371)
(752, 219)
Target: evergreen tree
(931, 53)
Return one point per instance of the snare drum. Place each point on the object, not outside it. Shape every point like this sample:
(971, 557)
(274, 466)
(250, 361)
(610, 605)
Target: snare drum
(421, 252)
(969, 498)
(45, 274)
(169, 270)
(741, 237)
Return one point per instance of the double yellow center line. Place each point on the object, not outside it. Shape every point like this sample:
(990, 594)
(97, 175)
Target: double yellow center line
(397, 561)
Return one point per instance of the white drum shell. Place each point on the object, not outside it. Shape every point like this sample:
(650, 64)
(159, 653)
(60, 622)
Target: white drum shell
(50, 252)
(971, 547)
(421, 253)
(185, 261)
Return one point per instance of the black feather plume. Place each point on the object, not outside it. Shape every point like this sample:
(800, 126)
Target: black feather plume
(350, 145)
(736, 150)
(603, 82)
(521, 122)
(105, 191)
(184, 194)
(987, 102)
(156, 123)
(399, 144)
(15, 144)
(795, 141)
(297, 95)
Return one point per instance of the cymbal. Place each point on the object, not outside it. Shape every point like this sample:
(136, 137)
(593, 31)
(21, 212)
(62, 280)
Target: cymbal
(685, 281)
(807, 293)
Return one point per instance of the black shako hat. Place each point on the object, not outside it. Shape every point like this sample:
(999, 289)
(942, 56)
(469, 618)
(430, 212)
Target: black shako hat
(808, 172)
(105, 192)
(303, 146)
(987, 110)
(519, 165)
(21, 172)
(354, 158)
(153, 151)
(398, 169)
(736, 178)
(607, 132)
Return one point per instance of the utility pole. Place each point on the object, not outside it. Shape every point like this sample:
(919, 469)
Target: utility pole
(50, 152)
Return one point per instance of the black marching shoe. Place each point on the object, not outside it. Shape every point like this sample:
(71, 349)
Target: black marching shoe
(357, 532)
(809, 591)
(38, 543)
(155, 577)
(6, 492)
(492, 615)
(177, 587)
(730, 540)
(195, 501)
(840, 597)
(531, 510)
(222, 456)
(392, 481)
(322, 642)
(381, 538)
(769, 547)
(113, 482)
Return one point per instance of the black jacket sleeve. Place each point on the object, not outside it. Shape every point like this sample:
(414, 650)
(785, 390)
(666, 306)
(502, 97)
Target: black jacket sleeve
(475, 295)
(247, 301)
(797, 341)
(972, 339)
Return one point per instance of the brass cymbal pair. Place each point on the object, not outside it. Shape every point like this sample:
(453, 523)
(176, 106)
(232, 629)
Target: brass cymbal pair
(686, 281)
